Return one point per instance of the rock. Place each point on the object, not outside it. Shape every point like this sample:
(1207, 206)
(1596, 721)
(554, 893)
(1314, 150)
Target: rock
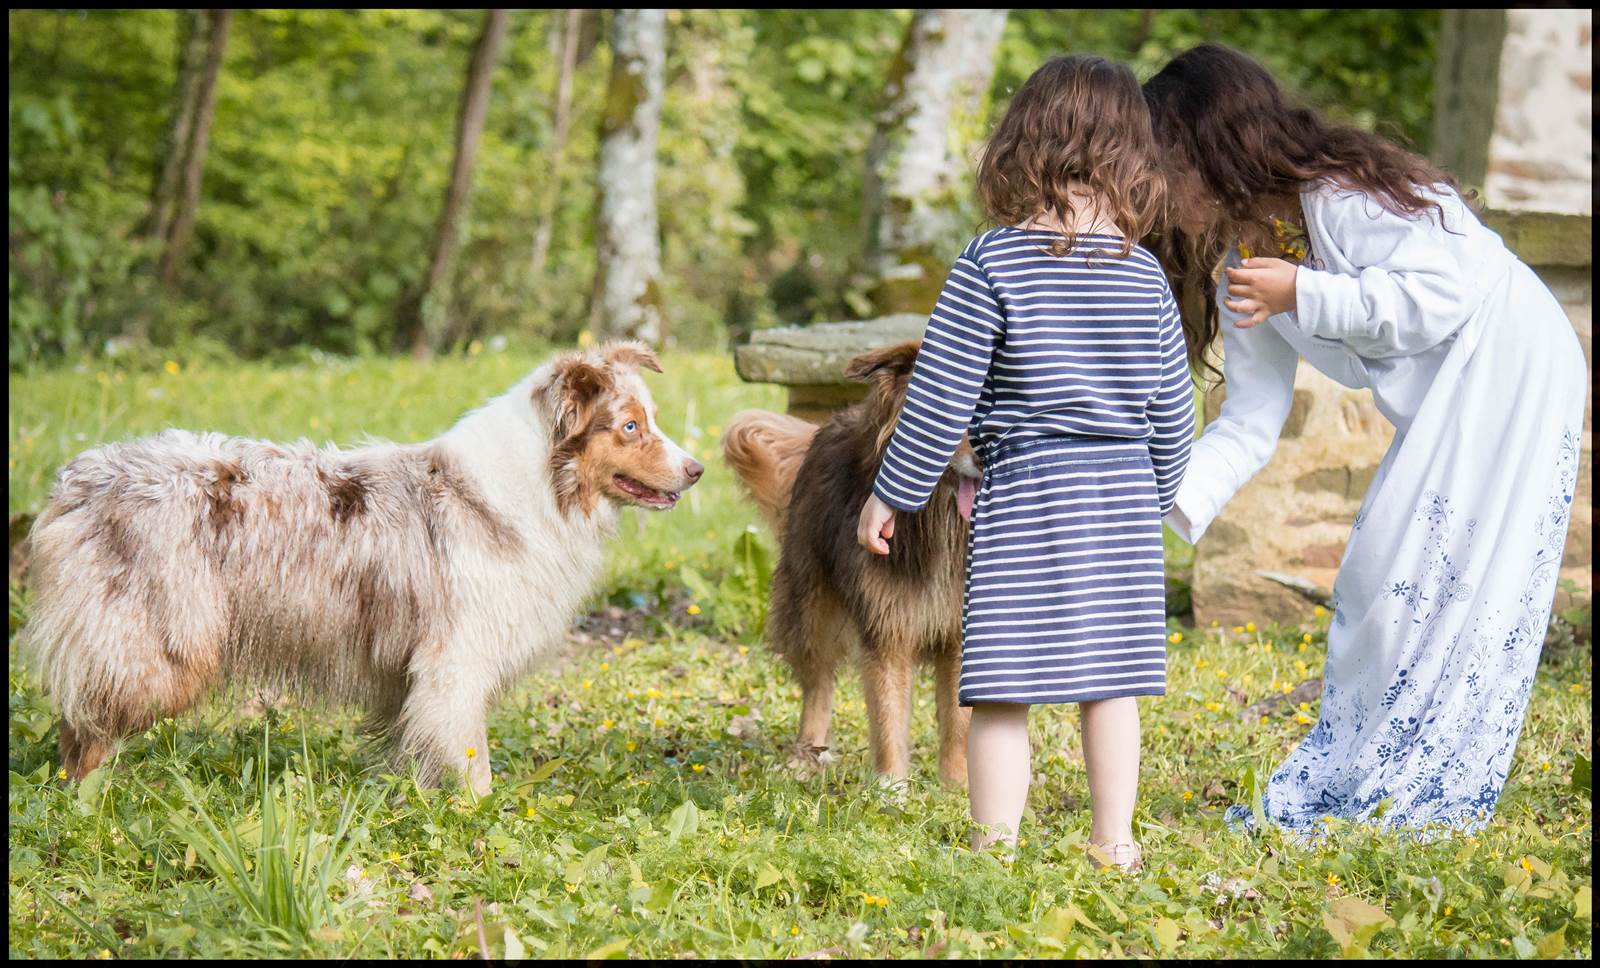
(810, 360)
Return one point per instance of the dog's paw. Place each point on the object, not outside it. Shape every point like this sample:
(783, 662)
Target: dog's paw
(809, 761)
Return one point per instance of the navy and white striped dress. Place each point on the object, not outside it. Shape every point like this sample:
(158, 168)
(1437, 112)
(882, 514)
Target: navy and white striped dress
(1069, 375)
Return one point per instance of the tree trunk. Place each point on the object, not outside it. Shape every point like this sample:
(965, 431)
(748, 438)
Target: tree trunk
(627, 294)
(1466, 89)
(917, 164)
(191, 54)
(194, 157)
(558, 140)
(469, 130)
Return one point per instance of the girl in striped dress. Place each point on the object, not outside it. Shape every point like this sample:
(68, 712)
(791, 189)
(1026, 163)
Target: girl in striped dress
(1056, 347)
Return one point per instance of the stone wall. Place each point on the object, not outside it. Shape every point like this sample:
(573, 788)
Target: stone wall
(1541, 151)
(1293, 518)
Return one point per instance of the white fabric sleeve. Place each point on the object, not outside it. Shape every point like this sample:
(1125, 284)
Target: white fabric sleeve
(1258, 368)
(1411, 293)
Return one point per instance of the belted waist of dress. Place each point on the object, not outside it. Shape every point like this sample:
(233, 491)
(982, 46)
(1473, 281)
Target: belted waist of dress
(993, 452)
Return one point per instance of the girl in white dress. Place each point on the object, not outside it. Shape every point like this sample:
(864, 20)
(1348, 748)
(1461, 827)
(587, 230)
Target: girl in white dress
(1444, 593)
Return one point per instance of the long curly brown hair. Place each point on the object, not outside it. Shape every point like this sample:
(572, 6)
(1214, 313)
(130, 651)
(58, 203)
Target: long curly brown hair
(1237, 155)
(1078, 122)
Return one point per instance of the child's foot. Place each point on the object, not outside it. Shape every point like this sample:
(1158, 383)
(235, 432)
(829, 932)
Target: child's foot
(1125, 857)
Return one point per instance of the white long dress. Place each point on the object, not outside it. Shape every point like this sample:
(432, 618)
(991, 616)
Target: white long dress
(1446, 585)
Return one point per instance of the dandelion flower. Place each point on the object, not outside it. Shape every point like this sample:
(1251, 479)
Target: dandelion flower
(1200, 663)
(1188, 795)
(394, 856)
(1305, 707)
(1319, 611)
(529, 813)
(587, 683)
(632, 746)
(744, 650)
(693, 609)
(1302, 719)
(698, 767)
(605, 667)
(660, 722)
(653, 693)
(1302, 647)
(1238, 629)
(171, 366)
(1175, 638)
(472, 752)
(1214, 706)
(1333, 880)
(585, 338)
(1526, 864)
(606, 724)
(616, 650)
(1222, 673)
(1545, 766)
(1575, 687)
(1306, 637)
(571, 887)
(794, 930)
(61, 774)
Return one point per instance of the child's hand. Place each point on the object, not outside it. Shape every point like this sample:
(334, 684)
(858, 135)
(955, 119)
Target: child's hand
(1260, 288)
(876, 525)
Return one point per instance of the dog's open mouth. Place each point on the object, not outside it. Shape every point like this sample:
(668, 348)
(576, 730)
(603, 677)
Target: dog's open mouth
(643, 493)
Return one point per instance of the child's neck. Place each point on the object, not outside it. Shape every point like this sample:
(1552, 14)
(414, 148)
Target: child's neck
(1087, 218)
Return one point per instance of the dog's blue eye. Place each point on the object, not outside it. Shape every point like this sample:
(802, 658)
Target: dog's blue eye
(630, 427)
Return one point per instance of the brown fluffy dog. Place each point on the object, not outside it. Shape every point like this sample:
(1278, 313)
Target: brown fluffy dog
(827, 591)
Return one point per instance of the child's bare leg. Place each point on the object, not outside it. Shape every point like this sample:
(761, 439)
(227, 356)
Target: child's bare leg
(999, 766)
(1111, 756)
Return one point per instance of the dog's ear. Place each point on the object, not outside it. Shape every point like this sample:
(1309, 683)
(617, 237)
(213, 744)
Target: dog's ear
(885, 364)
(576, 382)
(631, 355)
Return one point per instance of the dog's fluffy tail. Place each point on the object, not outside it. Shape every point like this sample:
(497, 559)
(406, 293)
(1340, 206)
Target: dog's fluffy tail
(765, 450)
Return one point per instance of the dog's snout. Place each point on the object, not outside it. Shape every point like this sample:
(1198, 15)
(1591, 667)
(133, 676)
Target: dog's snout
(694, 469)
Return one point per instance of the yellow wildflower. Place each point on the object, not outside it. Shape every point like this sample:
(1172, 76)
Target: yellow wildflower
(605, 667)
(653, 693)
(1238, 629)
(616, 650)
(693, 609)
(1249, 626)
(61, 774)
(1214, 706)
(571, 887)
(171, 366)
(1333, 880)
(1302, 719)
(394, 856)
(1200, 663)
(1188, 795)
(1305, 707)
(744, 650)
(606, 724)
(632, 746)
(587, 683)
(1306, 637)
(475, 347)
(1319, 611)
(660, 722)
(795, 929)
(698, 767)
(1175, 638)
(1545, 766)
(1222, 673)
(472, 753)
(1526, 864)
(315, 423)
(529, 813)
(1302, 647)
(585, 338)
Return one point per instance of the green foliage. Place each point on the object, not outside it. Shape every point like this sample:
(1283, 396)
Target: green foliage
(333, 139)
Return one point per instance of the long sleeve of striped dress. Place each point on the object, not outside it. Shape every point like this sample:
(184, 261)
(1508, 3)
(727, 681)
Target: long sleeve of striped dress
(952, 368)
(1170, 411)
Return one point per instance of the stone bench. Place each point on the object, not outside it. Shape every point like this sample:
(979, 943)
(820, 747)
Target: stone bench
(810, 360)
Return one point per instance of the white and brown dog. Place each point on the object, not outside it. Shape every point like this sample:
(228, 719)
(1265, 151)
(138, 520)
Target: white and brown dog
(413, 580)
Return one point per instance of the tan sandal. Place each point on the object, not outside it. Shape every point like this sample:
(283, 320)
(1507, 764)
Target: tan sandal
(1124, 857)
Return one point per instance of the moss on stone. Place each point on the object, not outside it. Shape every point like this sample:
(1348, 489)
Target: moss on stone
(1545, 238)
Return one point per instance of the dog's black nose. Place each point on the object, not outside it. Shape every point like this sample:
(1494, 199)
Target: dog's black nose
(694, 469)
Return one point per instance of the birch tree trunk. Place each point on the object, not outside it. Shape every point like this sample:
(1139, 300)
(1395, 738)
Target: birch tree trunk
(627, 294)
(194, 157)
(917, 163)
(191, 54)
(558, 140)
(428, 309)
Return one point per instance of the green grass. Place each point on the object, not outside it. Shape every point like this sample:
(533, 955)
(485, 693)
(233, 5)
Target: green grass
(642, 807)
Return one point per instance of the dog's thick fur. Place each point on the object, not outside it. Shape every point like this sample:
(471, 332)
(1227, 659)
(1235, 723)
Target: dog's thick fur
(415, 581)
(828, 592)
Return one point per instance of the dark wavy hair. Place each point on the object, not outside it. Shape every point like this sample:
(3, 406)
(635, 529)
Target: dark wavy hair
(1080, 120)
(1237, 153)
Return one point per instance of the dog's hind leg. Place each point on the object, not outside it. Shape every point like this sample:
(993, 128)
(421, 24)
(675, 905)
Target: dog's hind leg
(953, 718)
(813, 637)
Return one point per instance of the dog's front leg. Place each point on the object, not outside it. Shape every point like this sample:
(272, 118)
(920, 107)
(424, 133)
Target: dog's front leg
(886, 674)
(953, 719)
(443, 729)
